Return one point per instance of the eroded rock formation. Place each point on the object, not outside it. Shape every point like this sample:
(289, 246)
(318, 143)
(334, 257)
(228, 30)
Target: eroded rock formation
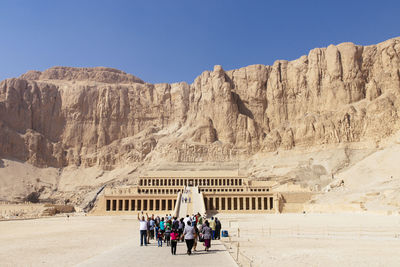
(105, 117)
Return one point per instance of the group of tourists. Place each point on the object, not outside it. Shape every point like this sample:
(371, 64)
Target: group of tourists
(171, 230)
(186, 200)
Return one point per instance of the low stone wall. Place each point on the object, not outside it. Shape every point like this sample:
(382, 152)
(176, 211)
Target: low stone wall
(293, 202)
(20, 210)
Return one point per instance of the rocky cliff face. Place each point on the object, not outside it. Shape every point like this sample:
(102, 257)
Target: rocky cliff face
(105, 117)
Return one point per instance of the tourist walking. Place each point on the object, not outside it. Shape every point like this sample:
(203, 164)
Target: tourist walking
(167, 235)
(159, 238)
(181, 227)
(187, 219)
(174, 241)
(168, 223)
(199, 220)
(212, 225)
(152, 226)
(142, 229)
(193, 219)
(148, 231)
(207, 235)
(217, 228)
(189, 233)
(196, 237)
(175, 223)
(162, 225)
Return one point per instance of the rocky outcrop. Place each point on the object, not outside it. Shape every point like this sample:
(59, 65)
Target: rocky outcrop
(97, 74)
(105, 117)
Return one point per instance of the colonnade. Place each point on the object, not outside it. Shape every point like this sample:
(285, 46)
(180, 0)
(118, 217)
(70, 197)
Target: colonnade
(239, 203)
(191, 181)
(158, 204)
(168, 191)
(159, 190)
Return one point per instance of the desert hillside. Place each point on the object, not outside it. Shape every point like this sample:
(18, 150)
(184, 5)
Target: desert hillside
(325, 117)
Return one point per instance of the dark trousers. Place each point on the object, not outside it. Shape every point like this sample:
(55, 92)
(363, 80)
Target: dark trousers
(189, 244)
(173, 246)
(218, 234)
(143, 237)
(180, 231)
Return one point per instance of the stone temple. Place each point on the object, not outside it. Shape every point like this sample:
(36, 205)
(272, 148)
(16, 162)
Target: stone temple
(208, 192)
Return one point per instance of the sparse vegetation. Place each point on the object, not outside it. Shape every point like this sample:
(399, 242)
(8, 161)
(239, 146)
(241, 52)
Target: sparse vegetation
(33, 197)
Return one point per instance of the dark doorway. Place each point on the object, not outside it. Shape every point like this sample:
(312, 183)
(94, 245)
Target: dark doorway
(108, 205)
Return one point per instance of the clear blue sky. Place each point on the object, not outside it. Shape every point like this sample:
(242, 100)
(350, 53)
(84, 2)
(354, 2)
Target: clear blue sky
(170, 41)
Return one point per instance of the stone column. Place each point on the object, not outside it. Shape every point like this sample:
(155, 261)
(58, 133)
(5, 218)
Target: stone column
(251, 203)
(276, 203)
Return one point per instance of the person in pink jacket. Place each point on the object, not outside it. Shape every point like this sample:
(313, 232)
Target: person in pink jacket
(174, 240)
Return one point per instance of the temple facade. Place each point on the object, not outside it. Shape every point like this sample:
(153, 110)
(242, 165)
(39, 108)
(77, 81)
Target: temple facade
(167, 192)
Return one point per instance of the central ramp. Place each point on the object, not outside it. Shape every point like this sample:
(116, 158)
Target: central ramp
(191, 202)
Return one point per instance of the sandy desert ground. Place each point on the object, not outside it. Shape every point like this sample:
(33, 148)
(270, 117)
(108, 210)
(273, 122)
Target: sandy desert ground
(314, 239)
(265, 240)
(92, 241)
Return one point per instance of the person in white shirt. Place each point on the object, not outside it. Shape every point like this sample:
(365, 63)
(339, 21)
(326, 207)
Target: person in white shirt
(187, 219)
(189, 234)
(143, 229)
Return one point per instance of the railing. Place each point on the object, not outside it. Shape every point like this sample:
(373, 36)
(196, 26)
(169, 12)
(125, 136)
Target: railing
(334, 232)
(240, 258)
(178, 205)
(243, 237)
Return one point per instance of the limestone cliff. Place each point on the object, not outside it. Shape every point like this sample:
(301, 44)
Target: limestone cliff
(107, 118)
